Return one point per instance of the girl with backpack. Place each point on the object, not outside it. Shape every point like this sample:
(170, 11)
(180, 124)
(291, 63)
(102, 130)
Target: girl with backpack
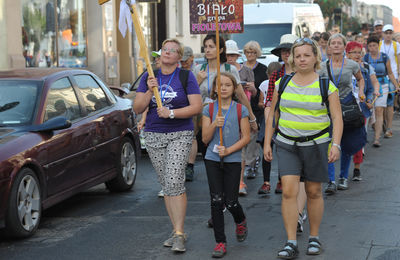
(224, 181)
(301, 117)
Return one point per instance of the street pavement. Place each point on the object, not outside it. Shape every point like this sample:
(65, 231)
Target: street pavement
(360, 223)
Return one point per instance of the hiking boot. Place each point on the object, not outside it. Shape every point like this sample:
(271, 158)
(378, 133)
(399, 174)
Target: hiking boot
(278, 188)
(357, 175)
(300, 224)
(241, 231)
(178, 244)
(331, 188)
(265, 189)
(219, 250)
(160, 194)
(343, 185)
(189, 172)
(242, 189)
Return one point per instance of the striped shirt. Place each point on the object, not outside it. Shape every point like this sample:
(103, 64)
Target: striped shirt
(302, 112)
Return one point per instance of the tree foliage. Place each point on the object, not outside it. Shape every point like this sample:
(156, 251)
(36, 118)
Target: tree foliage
(327, 7)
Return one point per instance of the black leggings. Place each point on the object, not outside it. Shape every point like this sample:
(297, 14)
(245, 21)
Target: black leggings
(266, 166)
(224, 186)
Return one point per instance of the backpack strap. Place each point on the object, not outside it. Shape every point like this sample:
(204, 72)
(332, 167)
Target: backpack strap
(204, 66)
(328, 68)
(183, 77)
(282, 85)
(239, 113)
(227, 67)
(324, 88)
(211, 110)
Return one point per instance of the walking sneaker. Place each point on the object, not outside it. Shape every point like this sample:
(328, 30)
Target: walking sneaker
(343, 184)
(300, 224)
(160, 194)
(189, 172)
(257, 163)
(242, 189)
(331, 188)
(241, 231)
(252, 173)
(278, 188)
(170, 240)
(219, 250)
(178, 244)
(357, 175)
(265, 189)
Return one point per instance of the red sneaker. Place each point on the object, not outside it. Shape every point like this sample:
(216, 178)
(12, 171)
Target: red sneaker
(265, 188)
(219, 250)
(241, 231)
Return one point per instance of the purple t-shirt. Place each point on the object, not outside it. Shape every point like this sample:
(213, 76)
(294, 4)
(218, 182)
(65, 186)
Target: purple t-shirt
(173, 96)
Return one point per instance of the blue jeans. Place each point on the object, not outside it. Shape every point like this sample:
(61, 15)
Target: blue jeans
(331, 171)
(345, 161)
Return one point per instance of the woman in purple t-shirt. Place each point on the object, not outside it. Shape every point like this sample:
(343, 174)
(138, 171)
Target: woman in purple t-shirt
(169, 132)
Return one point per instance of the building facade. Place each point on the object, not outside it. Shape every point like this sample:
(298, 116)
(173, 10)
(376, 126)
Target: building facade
(83, 34)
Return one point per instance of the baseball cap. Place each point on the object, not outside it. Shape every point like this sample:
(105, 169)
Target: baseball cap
(387, 27)
(187, 53)
(156, 54)
(378, 22)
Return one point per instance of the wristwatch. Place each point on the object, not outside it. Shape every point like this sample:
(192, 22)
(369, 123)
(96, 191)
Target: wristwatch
(171, 114)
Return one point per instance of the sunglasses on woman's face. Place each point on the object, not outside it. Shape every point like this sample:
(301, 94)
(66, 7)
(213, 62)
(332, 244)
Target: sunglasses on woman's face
(304, 40)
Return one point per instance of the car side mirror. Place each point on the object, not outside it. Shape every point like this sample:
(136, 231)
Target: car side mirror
(123, 90)
(56, 123)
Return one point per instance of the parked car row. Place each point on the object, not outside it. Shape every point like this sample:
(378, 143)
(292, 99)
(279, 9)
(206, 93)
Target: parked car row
(61, 131)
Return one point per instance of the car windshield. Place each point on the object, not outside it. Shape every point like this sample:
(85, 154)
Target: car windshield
(18, 101)
(267, 35)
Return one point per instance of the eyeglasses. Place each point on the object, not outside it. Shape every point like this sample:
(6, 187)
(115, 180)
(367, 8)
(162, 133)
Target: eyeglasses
(304, 40)
(250, 52)
(172, 50)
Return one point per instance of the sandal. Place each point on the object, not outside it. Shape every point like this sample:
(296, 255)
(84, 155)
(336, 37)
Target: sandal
(291, 251)
(315, 245)
(376, 143)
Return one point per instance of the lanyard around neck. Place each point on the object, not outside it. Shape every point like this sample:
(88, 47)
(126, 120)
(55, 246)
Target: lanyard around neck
(340, 74)
(166, 89)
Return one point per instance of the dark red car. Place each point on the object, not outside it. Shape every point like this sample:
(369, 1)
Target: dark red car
(61, 131)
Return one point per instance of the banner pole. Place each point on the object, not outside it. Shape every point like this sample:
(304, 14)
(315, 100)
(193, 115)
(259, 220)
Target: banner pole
(143, 48)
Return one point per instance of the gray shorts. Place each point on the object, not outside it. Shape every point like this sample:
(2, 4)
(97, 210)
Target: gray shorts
(169, 153)
(309, 162)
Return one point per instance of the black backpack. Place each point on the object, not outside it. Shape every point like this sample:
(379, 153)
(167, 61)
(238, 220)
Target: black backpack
(183, 77)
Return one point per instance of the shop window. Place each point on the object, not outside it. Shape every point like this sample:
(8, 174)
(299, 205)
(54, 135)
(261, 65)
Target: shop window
(54, 33)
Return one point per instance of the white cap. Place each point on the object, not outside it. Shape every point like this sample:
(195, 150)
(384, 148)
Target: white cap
(231, 47)
(378, 22)
(156, 54)
(387, 27)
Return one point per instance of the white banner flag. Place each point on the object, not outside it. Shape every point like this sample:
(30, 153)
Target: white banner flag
(125, 18)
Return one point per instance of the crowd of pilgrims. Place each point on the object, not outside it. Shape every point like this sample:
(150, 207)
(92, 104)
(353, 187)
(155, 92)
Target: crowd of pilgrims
(295, 106)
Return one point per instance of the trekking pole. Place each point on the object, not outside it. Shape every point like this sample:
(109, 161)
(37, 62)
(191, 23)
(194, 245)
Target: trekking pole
(376, 97)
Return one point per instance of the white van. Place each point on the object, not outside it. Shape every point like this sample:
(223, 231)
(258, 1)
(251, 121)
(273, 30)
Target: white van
(267, 22)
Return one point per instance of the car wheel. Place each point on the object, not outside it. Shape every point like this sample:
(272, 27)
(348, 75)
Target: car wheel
(24, 208)
(126, 167)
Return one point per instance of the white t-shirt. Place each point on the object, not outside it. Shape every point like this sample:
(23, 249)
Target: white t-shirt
(264, 88)
(389, 51)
